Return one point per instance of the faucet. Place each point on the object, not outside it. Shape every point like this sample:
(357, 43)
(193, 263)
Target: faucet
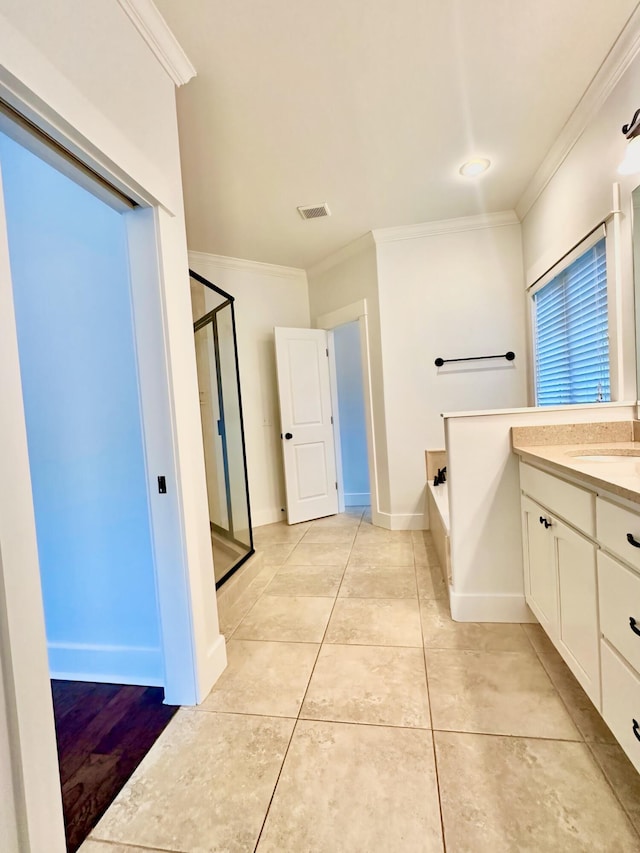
(441, 476)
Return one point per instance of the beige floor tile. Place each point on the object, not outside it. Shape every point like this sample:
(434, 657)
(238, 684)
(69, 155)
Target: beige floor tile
(263, 678)
(319, 555)
(441, 632)
(369, 684)
(276, 555)
(355, 511)
(306, 580)
(205, 785)
(375, 622)
(581, 709)
(367, 533)
(279, 533)
(232, 615)
(293, 619)
(382, 554)
(514, 795)
(623, 778)
(418, 536)
(505, 693)
(344, 520)
(91, 846)
(431, 583)
(330, 536)
(379, 582)
(351, 789)
(422, 557)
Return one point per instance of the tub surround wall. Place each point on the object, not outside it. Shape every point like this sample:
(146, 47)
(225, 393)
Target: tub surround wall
(484, 502)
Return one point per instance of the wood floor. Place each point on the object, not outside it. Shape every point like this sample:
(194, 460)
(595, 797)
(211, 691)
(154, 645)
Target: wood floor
(103, 731)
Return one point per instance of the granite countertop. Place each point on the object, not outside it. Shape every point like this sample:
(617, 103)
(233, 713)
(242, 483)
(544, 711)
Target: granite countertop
(561, 447)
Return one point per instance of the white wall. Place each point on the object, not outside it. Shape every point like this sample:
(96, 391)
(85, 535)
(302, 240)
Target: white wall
(448, 295)
(116, 108)
(484, 505)
(342, 280)
(578, 196)
(266, 296)
(351, 420)
(72, 301)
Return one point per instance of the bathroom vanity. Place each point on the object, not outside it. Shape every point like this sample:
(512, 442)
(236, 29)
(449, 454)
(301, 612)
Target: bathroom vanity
(580, 503)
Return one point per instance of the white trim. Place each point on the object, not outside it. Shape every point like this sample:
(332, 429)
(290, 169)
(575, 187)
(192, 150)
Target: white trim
(357, 311)
(355, 247)
(541, 409)
(214, 664)
(617, 61)
(446, 226)
(335, 417)
(342, 316)
(598, 233)
(155, 31)
(400, 521)
(241, 265)
(470, 607)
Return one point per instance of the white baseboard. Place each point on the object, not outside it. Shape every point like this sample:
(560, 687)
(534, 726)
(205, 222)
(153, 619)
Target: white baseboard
(489, 608)
(267, 516)
(106, 664)
(215, 665)
(357, 498)
(397, 521)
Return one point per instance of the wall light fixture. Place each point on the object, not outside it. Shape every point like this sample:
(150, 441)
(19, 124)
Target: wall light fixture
(631, 163)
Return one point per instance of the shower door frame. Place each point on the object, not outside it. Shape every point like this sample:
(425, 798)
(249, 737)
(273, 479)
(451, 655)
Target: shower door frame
(210, 317)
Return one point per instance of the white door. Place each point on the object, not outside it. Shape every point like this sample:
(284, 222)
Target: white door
(306, 423)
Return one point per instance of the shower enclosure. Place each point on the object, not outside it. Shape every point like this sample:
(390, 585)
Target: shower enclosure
(223, 433)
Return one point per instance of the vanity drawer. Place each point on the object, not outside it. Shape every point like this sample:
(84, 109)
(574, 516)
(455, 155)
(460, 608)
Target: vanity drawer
(570, 502)
(614, 523)
(619, 596)
(621, 702)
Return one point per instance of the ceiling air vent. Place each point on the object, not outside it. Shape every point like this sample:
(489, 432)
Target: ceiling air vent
(314, 211)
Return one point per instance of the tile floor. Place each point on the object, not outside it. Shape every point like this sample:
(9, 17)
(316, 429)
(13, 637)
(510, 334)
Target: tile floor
(356, 716)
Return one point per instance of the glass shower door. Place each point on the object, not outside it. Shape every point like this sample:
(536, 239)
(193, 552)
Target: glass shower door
(223, 435)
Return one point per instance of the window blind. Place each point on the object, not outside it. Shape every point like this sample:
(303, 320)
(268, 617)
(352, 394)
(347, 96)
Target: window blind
(571, 333)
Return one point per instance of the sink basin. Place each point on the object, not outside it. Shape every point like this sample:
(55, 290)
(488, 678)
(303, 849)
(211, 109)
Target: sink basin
(602, 457)
(606, 454)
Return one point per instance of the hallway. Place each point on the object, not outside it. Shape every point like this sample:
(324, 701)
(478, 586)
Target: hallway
(355, 715)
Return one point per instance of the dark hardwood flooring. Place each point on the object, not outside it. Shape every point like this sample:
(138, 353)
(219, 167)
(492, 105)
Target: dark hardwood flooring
(103, 731)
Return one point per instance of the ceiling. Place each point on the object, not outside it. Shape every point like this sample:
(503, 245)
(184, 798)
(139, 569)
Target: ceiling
(370, 107)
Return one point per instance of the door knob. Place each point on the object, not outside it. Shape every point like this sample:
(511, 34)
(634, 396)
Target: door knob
(288, 435)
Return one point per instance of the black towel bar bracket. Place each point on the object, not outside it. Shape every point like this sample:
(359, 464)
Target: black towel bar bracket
(508, 355)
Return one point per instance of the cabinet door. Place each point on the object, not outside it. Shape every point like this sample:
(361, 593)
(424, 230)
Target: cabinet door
(578, 635)
(541, 585)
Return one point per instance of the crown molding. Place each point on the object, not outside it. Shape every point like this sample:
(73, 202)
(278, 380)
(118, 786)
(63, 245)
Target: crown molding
(156, 33)
(617, 61)
(446, 226)
(350, 250)
(199, 259)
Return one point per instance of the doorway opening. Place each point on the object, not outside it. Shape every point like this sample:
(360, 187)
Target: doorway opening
(349, 417)
(223, 432)
(70, 280)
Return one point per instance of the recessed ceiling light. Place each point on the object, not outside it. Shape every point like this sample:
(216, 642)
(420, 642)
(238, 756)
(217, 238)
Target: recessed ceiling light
(475, 167)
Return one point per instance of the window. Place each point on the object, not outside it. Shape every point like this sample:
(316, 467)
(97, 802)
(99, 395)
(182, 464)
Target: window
(571, 333)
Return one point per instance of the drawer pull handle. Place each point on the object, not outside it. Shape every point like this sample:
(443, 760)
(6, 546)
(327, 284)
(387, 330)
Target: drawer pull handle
(636, 729)
(632, 541)
(634, 626)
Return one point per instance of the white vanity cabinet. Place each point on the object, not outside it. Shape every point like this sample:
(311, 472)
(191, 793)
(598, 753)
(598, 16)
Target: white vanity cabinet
(582, 582)
(561, 589)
